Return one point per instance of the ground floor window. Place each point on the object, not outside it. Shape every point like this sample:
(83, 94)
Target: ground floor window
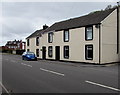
(66, 52)
(28, 50)
(89, 52)
(37, 52)
(50, 51)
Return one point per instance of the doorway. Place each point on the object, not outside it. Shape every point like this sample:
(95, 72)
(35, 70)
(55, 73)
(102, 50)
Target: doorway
(57, 52)
(44, 53)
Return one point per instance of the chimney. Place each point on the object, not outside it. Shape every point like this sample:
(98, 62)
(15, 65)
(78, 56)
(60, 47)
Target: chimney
(45, 27)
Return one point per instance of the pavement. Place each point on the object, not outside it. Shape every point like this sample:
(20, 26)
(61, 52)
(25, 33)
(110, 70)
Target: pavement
(43, 76)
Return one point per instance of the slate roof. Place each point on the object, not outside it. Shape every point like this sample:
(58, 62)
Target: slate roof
(90, 19)
(13, 43)
(35, 34)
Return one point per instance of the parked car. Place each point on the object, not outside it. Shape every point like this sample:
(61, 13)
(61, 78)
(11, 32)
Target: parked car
(29, 56)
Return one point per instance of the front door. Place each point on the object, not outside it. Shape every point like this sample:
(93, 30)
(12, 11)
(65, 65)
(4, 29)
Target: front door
(57, 50)
(43, 52)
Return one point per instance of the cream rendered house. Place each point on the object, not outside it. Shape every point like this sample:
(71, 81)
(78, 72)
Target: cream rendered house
(34, 40)
(93, 38)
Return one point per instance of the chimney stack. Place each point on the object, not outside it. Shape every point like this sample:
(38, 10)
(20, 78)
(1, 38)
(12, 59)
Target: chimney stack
(45, 27)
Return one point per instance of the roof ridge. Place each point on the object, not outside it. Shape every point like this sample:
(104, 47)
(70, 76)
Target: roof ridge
(81, 21)
(36, 33)
(94, 12)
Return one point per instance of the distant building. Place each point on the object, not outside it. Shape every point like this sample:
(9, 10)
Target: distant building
(15, 45)
(2, 48)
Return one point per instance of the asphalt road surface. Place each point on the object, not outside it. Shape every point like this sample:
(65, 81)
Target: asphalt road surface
(19, 76)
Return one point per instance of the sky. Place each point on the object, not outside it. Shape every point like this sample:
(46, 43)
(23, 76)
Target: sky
(19, 19)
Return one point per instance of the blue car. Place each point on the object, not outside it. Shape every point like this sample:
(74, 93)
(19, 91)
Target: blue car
(29, 56)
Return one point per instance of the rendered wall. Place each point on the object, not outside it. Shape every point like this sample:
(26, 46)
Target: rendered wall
(76, 45)
(32, 46)
(109, 39)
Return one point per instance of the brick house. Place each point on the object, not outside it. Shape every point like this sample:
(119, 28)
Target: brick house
(15, 45)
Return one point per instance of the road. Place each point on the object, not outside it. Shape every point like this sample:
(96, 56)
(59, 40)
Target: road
(43, 76)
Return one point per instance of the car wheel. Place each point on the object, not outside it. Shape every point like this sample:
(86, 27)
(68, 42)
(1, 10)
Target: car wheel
(26, 59)
(35, 59)
(22, 58)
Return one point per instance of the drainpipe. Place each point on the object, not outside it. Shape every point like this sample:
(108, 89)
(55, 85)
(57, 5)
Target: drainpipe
(117, 27)
(118, 40)
(99, 43)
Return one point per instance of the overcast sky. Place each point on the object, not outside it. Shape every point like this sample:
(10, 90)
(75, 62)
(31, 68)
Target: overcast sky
(20, 19)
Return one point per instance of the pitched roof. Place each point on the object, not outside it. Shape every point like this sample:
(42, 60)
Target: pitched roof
(90, 19)
(35, 34)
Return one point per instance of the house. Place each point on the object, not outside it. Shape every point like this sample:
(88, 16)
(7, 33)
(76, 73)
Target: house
(92, 38)
(15, 45)
(34, 40)
(2, 48)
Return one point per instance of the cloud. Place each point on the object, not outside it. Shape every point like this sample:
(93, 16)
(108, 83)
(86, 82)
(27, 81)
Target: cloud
(59, 0)
(20, 19)
(15, 28)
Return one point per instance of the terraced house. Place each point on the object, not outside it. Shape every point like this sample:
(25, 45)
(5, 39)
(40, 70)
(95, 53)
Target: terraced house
(92, 38)
(34, 40)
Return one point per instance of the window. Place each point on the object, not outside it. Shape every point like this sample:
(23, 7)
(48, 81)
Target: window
(89, 52)
(37, 52)
(28, 50)
(89, 33)
(66, 35)
(50, 37)
(66, 52)
(18, 46)
(28, 43)
(37, 41)
(50, 51)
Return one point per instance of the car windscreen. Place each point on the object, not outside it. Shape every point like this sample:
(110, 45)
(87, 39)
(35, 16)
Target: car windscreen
(31, 53)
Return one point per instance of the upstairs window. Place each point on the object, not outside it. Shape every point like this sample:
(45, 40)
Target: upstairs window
(50, 37)
(37, 41)
(66, 35)
(89, 33)
(66, 52)
(28, 43)
(50, 51)
(89, 52)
